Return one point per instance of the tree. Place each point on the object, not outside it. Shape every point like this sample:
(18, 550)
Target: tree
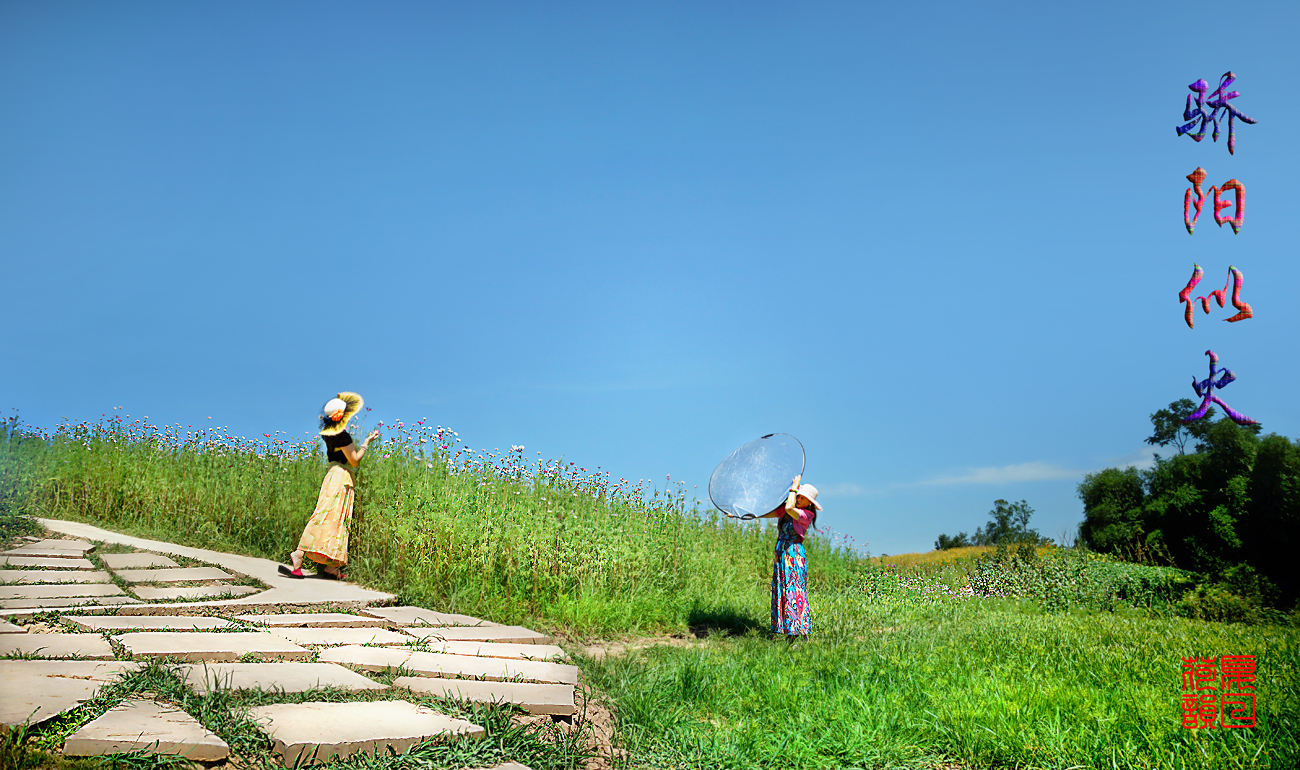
(1112, 509)
(945, 542)
(1170, 428)
(1008, 523)
(1229, 510)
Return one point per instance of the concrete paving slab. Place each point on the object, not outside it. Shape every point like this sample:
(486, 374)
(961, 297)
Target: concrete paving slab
(284, 590)
(36, 690)
(211, 645)
(192, 592)
(116, 561)
(441, 664)
(61, 591)
(334, 637)
(145, 725)
(48, 553)
(500, 650)
(84, 646)
(451, 666)
(31, 576)
(351, 728)
(274, 677)
(368, 658)
(172, 575)
(36, 561)
(147, 622)
(37, 549)
(78, 601)
(79, 546)
(9, 628)
(315, 620)
(419, 616)
(510, 634)
(554, 699)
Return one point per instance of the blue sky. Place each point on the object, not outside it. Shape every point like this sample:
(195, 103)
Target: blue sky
(940, 243)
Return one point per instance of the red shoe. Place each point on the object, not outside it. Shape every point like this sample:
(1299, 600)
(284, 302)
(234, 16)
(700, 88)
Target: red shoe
(293, 573)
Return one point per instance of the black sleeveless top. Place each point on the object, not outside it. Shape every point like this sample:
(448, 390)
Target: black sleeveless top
(334, 447)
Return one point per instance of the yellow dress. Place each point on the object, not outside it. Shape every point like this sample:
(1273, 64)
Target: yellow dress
(325, 538)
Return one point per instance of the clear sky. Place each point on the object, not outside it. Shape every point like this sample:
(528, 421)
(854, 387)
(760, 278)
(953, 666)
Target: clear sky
(941, 243)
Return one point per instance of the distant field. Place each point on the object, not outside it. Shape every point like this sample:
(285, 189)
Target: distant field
(949, 556)
(1071, 661)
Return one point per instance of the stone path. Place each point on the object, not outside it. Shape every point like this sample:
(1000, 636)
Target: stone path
(263, 640)
(142, 725)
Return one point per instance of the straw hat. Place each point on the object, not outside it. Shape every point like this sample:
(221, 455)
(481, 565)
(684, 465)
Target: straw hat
(337, 411)
(810, 492)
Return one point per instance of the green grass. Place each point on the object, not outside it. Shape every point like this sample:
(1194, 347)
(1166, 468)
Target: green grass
(985, 682)
(1061, 659)
(570, 548)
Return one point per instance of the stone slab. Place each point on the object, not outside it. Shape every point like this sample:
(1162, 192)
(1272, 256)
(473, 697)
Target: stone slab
(172, 575)
(36, 561)
(77, 546)
(554, 699)
(510, 634)
(192, 592)
(9, 628)
(275, 677)
(419, 616)
(37, 604)
(441, 664)
(48, 553)
(147, 622)
(338, 636)
(145, 725)
(500, 650)
(315, 620)
(211, 645)
(36, 549)
(31, 576)
(116, 561)
(85, 646)
(368, 658)
(451, 666)
(62, 591)
(297, 729)
(36, 690)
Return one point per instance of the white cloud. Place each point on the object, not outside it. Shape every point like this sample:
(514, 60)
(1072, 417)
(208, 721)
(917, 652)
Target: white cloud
(1142, 459)
(1007, 474)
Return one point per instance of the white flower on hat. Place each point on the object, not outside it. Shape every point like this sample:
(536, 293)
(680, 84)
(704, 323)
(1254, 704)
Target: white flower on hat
(334, 405)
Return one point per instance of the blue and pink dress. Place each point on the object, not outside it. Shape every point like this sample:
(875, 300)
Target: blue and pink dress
(790, 611)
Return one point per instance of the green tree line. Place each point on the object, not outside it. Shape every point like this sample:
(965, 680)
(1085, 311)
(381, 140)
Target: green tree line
(1228, 509)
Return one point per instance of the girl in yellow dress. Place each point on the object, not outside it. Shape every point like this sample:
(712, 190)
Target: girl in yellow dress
(325, 538)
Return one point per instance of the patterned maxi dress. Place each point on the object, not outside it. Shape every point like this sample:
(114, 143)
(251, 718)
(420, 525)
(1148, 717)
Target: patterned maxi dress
(790, 611)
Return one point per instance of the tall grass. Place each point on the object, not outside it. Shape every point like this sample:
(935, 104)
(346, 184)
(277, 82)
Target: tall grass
(486, 533)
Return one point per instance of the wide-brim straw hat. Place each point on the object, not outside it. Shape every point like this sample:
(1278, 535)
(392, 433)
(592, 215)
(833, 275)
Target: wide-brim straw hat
(352, 404)
(810, 492)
